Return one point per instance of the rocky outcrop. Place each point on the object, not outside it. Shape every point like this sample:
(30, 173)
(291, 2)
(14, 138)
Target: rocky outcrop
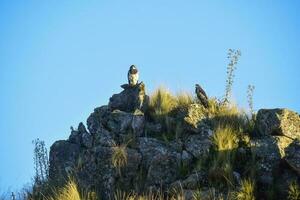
(278, 122)
(121, 130)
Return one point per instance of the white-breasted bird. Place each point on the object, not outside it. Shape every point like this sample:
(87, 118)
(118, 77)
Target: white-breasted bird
(201, 95)
(133, 76)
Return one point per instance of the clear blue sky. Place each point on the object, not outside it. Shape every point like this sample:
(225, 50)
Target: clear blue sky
(58, 61)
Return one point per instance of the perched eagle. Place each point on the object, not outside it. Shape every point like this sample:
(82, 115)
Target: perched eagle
(201, 95)
(133, 76)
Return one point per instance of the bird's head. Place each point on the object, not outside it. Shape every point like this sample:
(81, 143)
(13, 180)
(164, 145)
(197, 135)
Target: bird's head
(133, 69)
(197, 85)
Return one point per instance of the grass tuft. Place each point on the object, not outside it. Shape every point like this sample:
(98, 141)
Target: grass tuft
(119, 157)
(246, 191)
(68, 192)
(294, 191)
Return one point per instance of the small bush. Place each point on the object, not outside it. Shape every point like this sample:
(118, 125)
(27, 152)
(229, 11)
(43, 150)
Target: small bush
(294, 191)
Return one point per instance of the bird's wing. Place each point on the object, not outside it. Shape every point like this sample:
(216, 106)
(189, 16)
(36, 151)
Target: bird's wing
(202, 91)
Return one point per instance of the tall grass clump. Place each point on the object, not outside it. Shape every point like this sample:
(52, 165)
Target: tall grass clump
(246, 190)
(162, 102)
(68, 192)
(119, 157)
(169, 110)
(225, 142)
(294, 191)
(233, 56)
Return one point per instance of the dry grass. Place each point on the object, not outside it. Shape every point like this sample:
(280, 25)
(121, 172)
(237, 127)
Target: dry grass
(225, 139)
(294, 191)
(119, 157)
(68, 192)
(162, 102)
(225, 142)
(246, 191)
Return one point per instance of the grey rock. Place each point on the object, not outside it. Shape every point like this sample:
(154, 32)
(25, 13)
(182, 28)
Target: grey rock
(130, 99)
(278, 122)
(103, 138)
(96, 120)
(199, 144)
(268, 157)
(81, 136)
(163, 170)
(87, 140)
(292, 155)
(120, 122)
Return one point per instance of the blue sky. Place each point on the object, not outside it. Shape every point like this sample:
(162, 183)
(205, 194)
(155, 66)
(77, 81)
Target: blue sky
(60, 60)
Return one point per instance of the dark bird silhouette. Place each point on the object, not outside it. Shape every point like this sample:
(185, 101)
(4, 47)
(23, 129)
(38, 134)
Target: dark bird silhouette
(201, 95)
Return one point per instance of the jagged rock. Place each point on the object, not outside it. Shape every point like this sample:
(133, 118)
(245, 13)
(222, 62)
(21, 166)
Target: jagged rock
(199, 144)
(292, 155)
(96, 120)
(81, 136)
(278, 122)
(195, 117)
(103, 138)
(120, 122)
(87, 140)
(130, 99)
(63, 160)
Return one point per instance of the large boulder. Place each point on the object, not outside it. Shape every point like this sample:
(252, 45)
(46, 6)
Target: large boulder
(130, 99)
(278, 122)
(269, 151)
(292, 155)
(120, 122)
(199, 144)
(160, 161)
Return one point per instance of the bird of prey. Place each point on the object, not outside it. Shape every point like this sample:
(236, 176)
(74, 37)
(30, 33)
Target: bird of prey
(201, 95)
(133, 76)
